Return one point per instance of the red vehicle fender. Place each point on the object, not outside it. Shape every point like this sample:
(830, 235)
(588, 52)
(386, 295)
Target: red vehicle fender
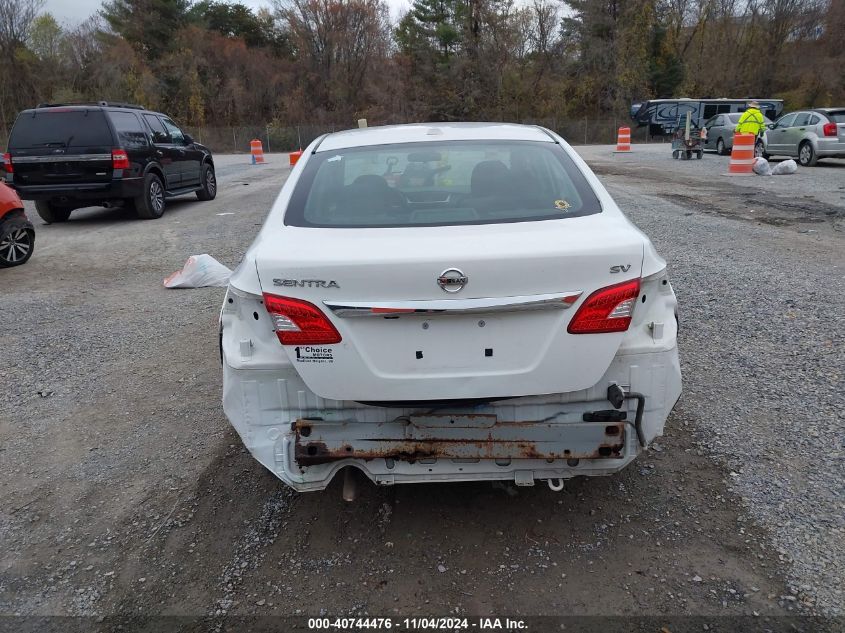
(9, 201)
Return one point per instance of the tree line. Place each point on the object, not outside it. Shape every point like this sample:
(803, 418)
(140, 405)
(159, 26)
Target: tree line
(333, 61)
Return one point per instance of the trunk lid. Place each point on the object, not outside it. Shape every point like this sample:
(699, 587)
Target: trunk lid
(58, 146)
(500, 335)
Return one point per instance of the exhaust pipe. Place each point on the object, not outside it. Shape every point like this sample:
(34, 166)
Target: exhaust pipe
(350, 486)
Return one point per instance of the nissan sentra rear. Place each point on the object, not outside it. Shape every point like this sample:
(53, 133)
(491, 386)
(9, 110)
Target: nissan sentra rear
(447, 303)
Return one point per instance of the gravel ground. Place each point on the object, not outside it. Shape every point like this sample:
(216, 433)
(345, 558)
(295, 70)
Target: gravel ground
(823, 184)
(123, 490)
(811, 201)
(762, 349)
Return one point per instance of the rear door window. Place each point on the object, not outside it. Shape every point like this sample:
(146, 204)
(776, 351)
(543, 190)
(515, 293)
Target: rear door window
(131, 133)
(160, 134)
(61, 128)
(176, 135)
(432, 184)
(802, 118)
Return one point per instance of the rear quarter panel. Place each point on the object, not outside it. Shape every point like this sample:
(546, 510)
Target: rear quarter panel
(9, 201)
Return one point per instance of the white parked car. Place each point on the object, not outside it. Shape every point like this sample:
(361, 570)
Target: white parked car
(447, 302)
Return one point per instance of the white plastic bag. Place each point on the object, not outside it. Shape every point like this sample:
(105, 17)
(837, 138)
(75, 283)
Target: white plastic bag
(199, 271)
(784, 168)
(761, 167)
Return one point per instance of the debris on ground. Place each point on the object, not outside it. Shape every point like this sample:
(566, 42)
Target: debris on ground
(761, 167)
(198, 272)
(785, 168)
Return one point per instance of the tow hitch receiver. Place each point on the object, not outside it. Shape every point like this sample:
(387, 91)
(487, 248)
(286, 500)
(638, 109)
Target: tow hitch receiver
(469, 437)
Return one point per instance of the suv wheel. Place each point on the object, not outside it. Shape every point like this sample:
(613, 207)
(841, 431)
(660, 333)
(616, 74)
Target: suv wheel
(806, 154)
(209, 183)
(150, 204)
(51, 212)
(17, 239)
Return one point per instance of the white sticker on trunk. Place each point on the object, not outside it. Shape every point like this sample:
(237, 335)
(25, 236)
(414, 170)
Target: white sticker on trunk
(312, 354)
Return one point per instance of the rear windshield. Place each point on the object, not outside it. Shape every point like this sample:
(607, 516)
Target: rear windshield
(432, 184)
(837, 117)
(60, 128)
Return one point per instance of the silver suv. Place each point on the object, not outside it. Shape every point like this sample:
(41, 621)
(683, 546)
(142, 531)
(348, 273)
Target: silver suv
(808, 135)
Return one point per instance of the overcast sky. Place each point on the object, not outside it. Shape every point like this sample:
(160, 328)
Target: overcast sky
(72, 12)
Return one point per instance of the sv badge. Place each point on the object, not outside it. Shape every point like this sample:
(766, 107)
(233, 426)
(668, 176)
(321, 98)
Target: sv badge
(620, 269)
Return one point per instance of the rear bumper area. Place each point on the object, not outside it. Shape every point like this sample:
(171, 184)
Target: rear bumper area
(305, 440)
(829, 147)
(97, 191)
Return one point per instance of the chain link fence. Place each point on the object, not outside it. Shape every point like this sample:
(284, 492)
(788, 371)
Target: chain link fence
(235, 139)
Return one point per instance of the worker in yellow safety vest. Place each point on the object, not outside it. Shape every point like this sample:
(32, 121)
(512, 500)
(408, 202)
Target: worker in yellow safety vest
(751, 121)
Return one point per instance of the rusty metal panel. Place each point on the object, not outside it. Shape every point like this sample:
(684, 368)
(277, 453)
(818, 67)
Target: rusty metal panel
(456, 437)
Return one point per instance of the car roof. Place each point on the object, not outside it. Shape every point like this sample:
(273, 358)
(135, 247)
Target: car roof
(432, 132)
(112, 107)
(825, 111)
(711, 100)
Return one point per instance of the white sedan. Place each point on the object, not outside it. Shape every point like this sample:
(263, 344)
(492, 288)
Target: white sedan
(447, 302)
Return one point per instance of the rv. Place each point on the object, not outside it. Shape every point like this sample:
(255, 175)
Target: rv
(664, 116)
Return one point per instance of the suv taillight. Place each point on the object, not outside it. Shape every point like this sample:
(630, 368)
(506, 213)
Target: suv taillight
(829, 129)
(607, 310)
(119, 159)
(298, 322)
(7, 163)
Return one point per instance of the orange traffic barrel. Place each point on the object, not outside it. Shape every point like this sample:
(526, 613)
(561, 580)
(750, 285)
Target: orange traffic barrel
(623, 140)
(257, 152)
(742, 155)
(294, 156)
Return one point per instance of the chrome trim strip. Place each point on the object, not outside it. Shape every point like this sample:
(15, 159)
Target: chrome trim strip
(60, 158)
(554, 301)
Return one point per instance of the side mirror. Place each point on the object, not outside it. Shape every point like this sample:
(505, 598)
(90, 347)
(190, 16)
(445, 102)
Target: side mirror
(772, 126)
(189, 140)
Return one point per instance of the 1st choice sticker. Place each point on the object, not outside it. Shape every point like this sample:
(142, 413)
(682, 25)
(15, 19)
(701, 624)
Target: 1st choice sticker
(311, 354)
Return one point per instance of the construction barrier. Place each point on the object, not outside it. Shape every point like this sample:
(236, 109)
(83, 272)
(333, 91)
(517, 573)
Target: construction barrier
(294, 156)
(623, 140)
(257, 152)
(742, 155)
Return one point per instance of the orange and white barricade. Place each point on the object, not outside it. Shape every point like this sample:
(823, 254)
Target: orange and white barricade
(294, 157)
(742, 155)
(257, 152)
(623, 140)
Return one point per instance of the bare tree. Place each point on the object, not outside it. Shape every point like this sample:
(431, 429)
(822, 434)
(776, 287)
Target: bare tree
(544, 35)
(16, 17)
(338, 41)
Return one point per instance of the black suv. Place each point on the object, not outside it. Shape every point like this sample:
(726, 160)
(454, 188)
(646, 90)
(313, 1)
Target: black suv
(68, 156)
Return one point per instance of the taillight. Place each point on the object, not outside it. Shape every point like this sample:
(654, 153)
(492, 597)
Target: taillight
(298, 322)
(7, 163)
(119, 159)
(830, 129)
(607, 310)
